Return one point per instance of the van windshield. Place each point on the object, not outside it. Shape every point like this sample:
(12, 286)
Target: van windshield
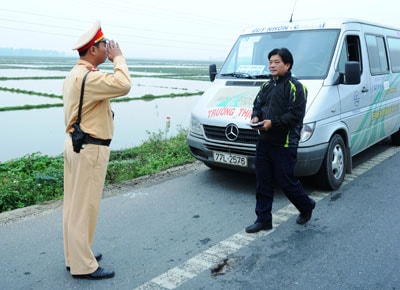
(312, 53)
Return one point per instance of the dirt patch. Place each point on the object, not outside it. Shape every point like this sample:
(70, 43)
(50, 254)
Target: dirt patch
(112, 190)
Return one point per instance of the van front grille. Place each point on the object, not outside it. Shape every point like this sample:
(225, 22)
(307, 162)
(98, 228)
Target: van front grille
(236, 150)
(245, 136)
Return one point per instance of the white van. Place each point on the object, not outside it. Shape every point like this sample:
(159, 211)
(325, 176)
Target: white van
(351, 69)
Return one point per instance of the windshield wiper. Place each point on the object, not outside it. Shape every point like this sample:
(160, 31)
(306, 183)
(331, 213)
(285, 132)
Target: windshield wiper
(239, 75)
(262, 76)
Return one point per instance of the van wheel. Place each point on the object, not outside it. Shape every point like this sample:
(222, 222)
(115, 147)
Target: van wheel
(396, 138)
(333, 168)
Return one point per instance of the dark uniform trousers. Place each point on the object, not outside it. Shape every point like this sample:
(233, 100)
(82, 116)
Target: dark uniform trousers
(277, 163)
(84, 175)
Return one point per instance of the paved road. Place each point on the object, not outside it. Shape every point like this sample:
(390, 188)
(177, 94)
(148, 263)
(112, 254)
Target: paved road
(186, 232)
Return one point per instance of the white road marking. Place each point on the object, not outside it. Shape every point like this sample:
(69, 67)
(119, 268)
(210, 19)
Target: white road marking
(212, 256)
(135, 194)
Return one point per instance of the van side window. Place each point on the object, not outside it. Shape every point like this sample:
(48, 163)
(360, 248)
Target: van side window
(351, 51)
(394, 52)
(377, 55)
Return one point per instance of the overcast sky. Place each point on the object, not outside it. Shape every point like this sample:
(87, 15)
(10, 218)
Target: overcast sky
(167, 29)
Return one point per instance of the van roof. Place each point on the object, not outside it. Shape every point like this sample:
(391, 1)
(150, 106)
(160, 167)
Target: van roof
(306, 25)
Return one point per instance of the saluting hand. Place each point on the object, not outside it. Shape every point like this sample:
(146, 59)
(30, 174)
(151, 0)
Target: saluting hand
(113, 50)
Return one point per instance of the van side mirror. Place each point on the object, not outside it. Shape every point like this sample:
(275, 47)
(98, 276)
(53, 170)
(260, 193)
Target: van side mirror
(212, 70)
(352, 73)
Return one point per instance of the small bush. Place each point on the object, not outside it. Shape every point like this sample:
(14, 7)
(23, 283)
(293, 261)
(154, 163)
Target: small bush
(30, 180)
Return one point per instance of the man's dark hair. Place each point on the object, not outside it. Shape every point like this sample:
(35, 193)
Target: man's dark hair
(284, 53)
(83, 53)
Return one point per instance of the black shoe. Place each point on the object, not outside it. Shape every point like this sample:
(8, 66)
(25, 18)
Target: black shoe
(256, 227)
(303, 218)
(99, 274)
(98, 257)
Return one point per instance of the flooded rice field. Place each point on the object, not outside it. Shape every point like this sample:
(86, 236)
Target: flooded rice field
(35, 81)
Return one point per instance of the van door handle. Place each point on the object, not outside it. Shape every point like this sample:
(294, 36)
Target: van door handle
(364, 90)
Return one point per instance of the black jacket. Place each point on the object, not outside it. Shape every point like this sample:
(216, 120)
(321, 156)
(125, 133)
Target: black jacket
(283, 101)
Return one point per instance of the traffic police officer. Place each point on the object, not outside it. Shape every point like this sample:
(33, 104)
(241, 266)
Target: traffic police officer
(85, 172)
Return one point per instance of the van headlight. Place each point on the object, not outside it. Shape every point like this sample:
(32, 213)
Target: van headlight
(195, 126)
(306, 132)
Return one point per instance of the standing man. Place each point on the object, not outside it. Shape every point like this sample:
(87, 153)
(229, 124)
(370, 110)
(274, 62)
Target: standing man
(85, 172)
(279, 107)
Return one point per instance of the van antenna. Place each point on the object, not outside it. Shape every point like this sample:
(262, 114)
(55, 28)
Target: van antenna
(294, 7)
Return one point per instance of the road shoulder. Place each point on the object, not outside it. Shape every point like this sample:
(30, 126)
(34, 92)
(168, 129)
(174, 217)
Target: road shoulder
(34, 211)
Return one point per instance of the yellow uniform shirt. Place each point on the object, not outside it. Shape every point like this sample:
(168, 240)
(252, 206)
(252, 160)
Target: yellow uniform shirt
(100, 87)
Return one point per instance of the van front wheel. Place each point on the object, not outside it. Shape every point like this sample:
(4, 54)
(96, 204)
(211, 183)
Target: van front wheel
(333, 168)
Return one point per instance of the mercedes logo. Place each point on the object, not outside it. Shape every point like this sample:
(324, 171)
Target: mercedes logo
(232, 132)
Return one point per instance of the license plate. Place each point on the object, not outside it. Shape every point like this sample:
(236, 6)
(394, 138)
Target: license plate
(232, 159)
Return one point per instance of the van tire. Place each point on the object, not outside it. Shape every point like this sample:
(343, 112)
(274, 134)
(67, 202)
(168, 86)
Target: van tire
(396, 138)
(333, 168)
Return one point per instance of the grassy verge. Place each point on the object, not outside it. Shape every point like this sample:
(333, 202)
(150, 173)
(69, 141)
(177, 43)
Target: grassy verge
(37, 178)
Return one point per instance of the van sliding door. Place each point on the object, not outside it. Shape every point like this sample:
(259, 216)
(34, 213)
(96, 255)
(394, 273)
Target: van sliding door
(355, 99)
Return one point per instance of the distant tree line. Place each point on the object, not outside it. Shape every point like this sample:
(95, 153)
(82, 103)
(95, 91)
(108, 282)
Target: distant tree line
(29, 52)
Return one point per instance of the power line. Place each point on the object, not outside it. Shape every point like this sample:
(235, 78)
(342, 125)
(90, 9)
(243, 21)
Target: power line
(135, 34)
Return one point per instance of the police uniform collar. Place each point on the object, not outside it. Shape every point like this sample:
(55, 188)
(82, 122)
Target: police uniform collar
(88, 65)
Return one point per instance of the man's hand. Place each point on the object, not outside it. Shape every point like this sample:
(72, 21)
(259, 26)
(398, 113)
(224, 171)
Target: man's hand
(113, 50)
(266, 126)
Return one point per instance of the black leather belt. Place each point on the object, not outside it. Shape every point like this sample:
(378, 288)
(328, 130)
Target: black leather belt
(91, 140)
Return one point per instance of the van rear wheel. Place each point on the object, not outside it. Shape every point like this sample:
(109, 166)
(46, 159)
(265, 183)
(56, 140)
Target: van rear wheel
(333, 168)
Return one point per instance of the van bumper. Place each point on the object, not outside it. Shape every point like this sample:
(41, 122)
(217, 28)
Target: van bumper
(309, 159)
(203, 150)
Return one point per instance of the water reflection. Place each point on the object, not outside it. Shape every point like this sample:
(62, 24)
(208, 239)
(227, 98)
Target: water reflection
(25, 132)
(140, 86)
(8, 99)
